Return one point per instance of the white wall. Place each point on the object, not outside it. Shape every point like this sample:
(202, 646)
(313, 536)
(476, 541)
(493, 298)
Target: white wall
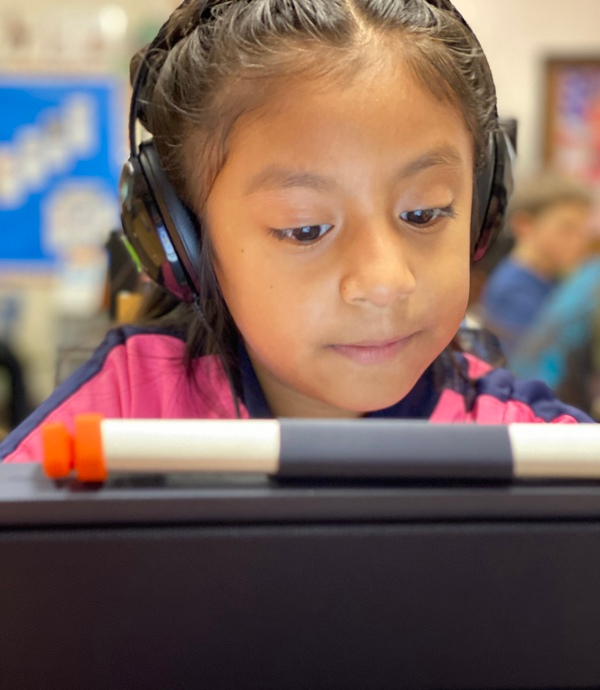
(517, 37)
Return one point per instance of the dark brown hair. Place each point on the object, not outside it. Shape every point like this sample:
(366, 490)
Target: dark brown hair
(221, 58)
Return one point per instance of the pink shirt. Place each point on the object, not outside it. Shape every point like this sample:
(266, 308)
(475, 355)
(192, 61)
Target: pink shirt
(139, 373)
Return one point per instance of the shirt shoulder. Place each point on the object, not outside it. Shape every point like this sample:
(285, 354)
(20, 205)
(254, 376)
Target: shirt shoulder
(475, 392)
(510, 271)
(513, 292)
(511, 301)
(135, 373)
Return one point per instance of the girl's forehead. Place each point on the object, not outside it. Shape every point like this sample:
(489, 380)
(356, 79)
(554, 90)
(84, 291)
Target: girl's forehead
(384, 106)
(380, 115)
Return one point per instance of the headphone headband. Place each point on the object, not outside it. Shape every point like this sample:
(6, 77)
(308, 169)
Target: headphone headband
(160, 42)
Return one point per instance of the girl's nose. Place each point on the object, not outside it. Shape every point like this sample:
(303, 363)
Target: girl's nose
(377, 267)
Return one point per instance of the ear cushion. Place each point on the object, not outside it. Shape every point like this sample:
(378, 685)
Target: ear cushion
(162, 230)
(493, 189)
(179, 221)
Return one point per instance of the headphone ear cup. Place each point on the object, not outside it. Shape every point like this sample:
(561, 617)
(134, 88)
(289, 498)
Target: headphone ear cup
(493, 188)
(162, 230)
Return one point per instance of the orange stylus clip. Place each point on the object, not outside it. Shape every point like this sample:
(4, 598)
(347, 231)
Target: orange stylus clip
(57, 447)
(89, 463)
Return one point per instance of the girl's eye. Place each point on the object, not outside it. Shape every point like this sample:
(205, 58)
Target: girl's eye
(424, 217)
(303, 235)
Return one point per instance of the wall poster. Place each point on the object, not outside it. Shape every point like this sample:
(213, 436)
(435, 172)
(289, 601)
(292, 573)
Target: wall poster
(572, 131)
(62, 144)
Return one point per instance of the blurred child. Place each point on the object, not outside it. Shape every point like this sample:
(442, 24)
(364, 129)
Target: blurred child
(328, 151)
(550, 219)
(563, 345)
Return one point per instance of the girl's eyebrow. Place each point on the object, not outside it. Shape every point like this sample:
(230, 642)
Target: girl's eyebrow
(274, 177)
(447, 155)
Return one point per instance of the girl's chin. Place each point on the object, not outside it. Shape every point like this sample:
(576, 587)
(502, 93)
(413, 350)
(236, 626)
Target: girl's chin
(361, 405)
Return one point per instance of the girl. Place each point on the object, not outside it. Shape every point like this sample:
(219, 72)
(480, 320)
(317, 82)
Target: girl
(315, 189)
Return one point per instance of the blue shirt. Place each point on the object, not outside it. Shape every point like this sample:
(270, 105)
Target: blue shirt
(511, 301)
(565, 326)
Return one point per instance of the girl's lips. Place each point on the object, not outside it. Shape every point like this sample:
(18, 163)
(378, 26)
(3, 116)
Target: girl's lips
(372, 352)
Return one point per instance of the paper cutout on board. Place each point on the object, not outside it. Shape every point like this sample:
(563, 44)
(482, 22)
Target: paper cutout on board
(61, 146)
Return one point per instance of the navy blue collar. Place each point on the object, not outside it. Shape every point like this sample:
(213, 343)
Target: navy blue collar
(418, 404)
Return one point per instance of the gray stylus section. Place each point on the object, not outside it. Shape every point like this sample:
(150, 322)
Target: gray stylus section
(379, 448)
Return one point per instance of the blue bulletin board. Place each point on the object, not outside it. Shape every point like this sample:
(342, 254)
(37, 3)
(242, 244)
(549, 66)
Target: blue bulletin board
(62, 145)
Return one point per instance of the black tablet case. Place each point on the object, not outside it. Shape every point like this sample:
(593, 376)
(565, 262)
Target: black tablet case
(246, 583)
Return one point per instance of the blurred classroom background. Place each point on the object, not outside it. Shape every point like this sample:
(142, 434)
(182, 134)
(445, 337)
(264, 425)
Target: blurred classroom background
(63, 109)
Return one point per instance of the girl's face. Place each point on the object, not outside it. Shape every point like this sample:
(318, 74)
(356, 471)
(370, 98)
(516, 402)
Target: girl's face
(341, 225)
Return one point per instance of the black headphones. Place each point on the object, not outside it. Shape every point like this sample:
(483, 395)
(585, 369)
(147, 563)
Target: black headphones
(166, 235)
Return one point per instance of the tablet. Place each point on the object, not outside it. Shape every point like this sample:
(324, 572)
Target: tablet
(244, 582)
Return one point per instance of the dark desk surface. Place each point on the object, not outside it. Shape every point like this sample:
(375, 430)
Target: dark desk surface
(27, 497)
(247, 584)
